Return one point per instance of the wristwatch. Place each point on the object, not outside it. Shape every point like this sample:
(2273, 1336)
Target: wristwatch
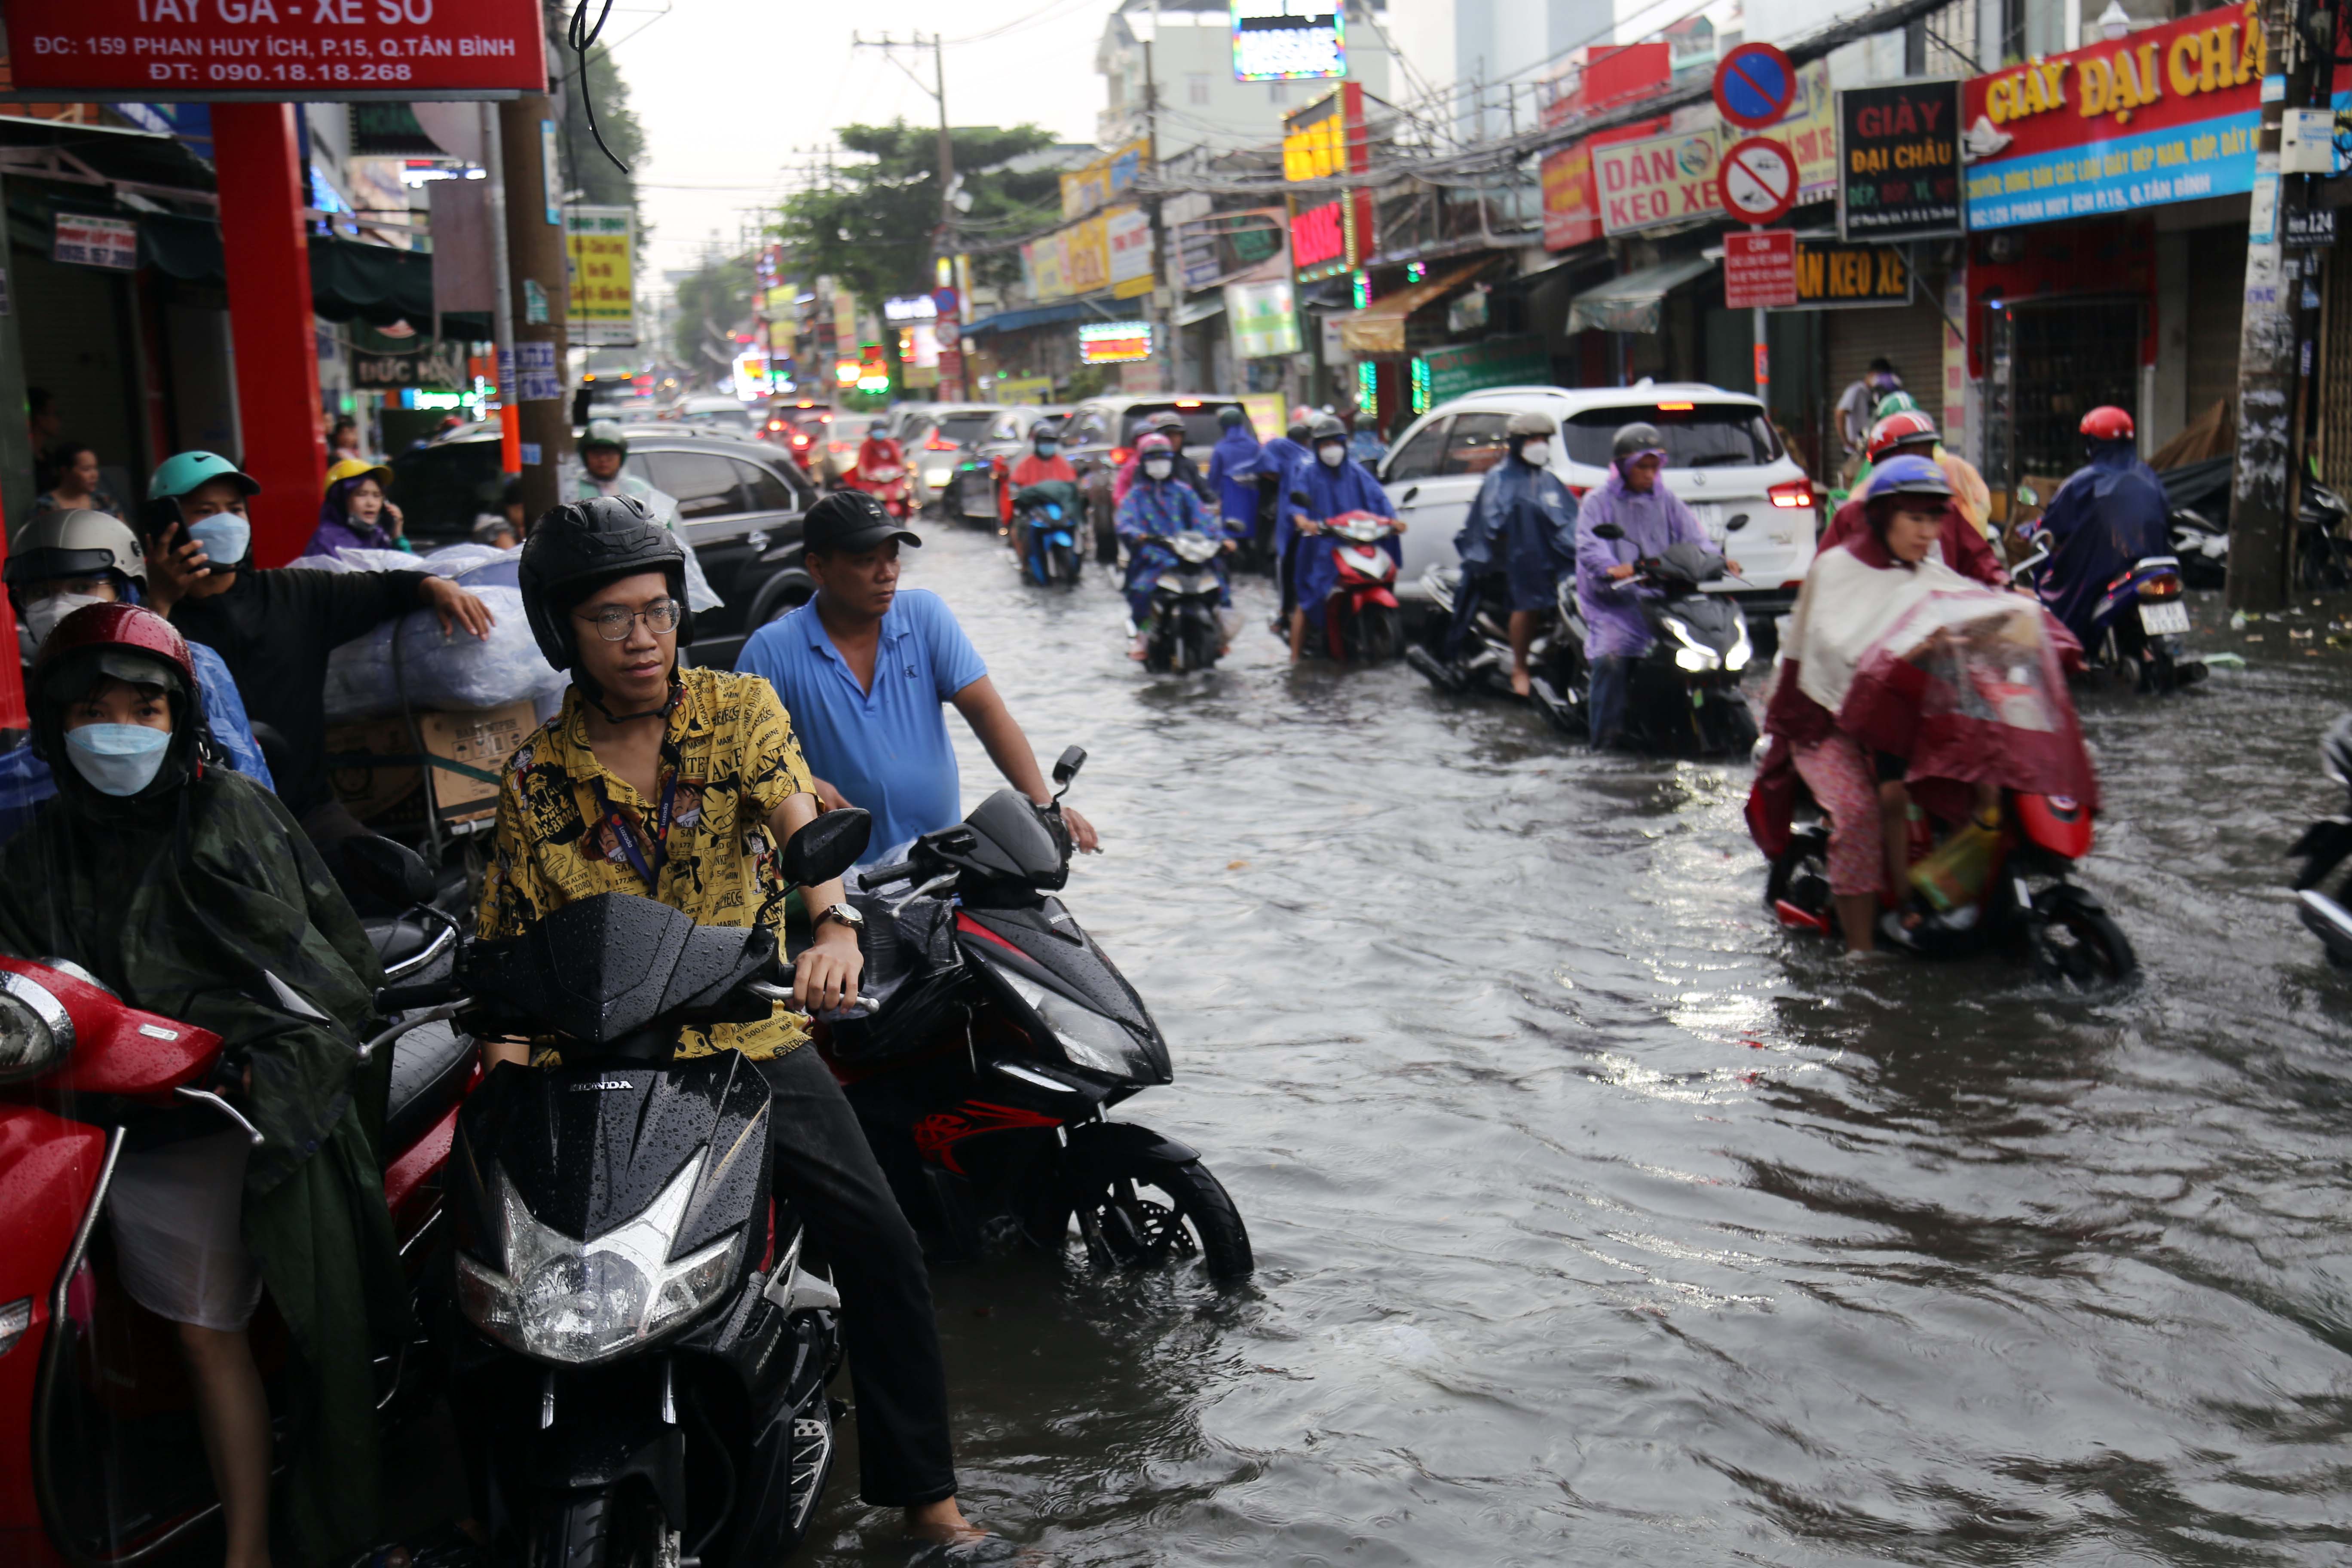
(844, 913)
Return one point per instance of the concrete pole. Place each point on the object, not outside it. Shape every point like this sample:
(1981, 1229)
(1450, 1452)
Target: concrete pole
(540, 294)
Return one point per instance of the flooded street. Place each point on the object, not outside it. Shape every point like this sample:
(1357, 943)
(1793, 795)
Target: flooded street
(1599, 1220)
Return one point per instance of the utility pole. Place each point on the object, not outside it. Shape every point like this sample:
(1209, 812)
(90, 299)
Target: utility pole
(540, 295)
(943, 239)
(2266, 487)
(1163, 331)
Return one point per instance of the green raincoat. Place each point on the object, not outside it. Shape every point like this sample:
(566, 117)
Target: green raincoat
(179, 900)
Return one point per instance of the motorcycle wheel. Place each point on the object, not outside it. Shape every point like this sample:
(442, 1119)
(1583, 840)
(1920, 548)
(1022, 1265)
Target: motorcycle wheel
(1378, 635)
(622, 1528)
(1801, 876)
(2077, 943)
(1191, 1215)
(1064, 565)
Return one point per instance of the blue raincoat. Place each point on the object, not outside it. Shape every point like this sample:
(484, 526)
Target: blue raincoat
(1154, 510)
(1654, 521)
(1329, 492)
(2108, 514)
(1522, 525)
(1233, 470)
(1366, 447)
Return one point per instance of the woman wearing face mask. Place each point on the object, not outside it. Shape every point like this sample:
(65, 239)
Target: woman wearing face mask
(184, 888)
(1160, 507)
(353, 514)
(1333, 483)
(77, 487)
(1519, 539)
(58, 562)
(1043, 464)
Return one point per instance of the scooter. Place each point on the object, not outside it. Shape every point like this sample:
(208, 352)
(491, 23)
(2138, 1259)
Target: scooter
(2138, 624)
(100, 1463)
(2030, 904)
(1558, 678)
(2322, 886)
(1684, 698)
(1362, 622)
(1043, 512)
(1000, 1037)
(887, 483)
(641, 1374)
(1186, 633)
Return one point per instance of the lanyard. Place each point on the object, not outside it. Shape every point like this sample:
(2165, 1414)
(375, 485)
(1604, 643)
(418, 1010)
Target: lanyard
(626, 837)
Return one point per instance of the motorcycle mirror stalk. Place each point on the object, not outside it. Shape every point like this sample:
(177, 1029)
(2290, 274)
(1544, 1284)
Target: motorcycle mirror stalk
(1065, 769)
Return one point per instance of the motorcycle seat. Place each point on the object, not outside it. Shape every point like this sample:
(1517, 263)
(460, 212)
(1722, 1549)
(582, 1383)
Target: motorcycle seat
(429, 1069)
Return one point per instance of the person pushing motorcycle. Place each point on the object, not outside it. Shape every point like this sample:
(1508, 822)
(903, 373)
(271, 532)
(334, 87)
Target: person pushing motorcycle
(681, 785)
(1518, 541)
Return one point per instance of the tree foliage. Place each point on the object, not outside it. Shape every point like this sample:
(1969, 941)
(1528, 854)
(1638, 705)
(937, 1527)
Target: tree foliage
(585, 168)
(871, 225)
(711, 300)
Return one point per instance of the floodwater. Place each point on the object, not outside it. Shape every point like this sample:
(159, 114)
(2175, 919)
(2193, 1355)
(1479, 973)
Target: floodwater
(1598, 1220)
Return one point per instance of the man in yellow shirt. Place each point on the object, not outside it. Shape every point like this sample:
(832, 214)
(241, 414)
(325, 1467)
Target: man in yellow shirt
(678, 784)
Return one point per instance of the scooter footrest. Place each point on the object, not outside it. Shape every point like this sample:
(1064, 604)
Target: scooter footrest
(1796, 919)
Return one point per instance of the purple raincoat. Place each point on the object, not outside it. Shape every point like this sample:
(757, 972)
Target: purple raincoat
(1653, 521)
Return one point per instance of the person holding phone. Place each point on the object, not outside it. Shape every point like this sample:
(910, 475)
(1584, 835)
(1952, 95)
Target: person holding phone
(274, 628)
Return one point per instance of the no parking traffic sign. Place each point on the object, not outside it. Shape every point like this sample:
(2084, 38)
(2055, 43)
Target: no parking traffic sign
(1757, 180)
(1754, 86)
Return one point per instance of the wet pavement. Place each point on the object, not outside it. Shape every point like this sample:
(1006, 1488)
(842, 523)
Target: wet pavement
(1599, 1220)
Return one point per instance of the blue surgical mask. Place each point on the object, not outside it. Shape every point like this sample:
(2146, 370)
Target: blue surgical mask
(117, 759)
(1048, 449)
(225, 536)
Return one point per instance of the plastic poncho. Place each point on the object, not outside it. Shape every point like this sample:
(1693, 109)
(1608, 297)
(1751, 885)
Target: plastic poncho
(1654, 521)
(1521, 526)
(179, 898)
(338, 531)
(1157, 510)
(1330, 491)
(2108, 514)
(1232, 467)
(1366, 447)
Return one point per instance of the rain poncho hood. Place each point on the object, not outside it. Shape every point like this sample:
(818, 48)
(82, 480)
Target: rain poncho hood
(1232, 468)
(338, 529)
(2108, 514)
(1153, 512)
(1653, 519)
(1330, 491)
(179, 900)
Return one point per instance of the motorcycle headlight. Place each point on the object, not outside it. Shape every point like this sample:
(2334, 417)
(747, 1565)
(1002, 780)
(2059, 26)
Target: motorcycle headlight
(35, 1030)
(1091, 1040)
(1741, 651)
(1694, 655)
(583, 1302)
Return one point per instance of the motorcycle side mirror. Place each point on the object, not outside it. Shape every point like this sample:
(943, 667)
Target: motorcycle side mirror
(1066, 766)
(1608, 530)
(1738, 521)
(392, 872)
(1298, 497)
(826, 847)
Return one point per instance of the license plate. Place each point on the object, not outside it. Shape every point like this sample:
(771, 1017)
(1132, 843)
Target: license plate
(2164, 620)
(1707, 512)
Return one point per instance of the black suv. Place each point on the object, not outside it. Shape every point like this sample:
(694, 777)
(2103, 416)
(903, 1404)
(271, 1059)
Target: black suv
(738, 503)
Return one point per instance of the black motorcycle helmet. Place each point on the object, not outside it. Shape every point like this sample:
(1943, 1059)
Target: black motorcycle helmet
(1299, 422)
(1230, 415)
(1638, 436)
(576, 549)
(1327, 428)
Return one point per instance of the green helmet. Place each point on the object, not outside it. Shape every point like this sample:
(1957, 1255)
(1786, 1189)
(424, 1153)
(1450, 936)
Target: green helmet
(192, 471)
(1895, 403)
(603, 432)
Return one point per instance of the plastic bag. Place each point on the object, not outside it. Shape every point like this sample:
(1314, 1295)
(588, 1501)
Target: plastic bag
(1953, 876)
(368, 676)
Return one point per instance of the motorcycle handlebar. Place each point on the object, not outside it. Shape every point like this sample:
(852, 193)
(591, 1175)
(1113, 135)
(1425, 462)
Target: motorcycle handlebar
(882, 875)
(400, 998)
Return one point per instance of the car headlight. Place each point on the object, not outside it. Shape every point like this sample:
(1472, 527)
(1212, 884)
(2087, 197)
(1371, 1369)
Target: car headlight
(1090, 1039)
(35, 1030)
(584, 1302)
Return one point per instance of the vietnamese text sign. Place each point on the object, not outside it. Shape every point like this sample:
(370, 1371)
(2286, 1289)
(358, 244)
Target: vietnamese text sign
(1450, 373)
(2167, 115)
(89, 241)
(1759, 269)
(1086, 256)
(1572, 216)
(536, 378)
(277, 48)
(1091, 188)
(1899, 147)
(1127, 232)
(1839, 277)
(1261, 320)
(435, 366)
(600, 243)
(1656, 181)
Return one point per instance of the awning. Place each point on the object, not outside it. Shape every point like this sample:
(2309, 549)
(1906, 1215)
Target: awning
(350, 280)
(1199, 311)
(1034, 316)
(1631, 303)
(1379, 327)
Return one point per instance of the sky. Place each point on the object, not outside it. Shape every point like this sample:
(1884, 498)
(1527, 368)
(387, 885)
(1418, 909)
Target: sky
(727, 89)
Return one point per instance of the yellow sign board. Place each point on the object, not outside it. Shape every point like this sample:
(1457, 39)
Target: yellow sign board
(600, 248)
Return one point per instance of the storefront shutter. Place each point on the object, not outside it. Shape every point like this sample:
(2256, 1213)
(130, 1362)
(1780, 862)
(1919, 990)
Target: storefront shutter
(2217, 298)
(1911, 335)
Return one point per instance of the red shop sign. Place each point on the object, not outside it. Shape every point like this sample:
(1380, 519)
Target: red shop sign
(275, 48)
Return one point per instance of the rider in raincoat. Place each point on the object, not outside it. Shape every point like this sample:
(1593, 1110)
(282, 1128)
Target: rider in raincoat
(1636, 500)
(1231, 466)
(1518, 541)
(2108, 514)
(1334, 484)
(1160, 507)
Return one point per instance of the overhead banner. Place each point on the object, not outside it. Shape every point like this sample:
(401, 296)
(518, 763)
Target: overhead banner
(600, 248)
(1572, 216)
(2166, 115)
(1653, 181)
(1899, 146)
(336, 50)
(1097, 185)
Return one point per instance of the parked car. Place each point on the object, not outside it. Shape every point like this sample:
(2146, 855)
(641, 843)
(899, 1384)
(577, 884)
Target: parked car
(740, 503)
(1724, 460)
(972, 496)
(1099, 436)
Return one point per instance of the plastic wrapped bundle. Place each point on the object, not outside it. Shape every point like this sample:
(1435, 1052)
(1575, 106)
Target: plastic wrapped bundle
(367, 677)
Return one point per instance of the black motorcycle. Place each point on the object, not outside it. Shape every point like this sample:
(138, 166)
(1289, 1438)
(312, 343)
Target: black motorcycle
(2322, 886)
(1185, 633)
(1482, 663)
(640, 1376)
(1000, 1038)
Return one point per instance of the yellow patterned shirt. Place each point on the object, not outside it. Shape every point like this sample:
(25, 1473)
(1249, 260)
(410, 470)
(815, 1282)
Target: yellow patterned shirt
(729, 759)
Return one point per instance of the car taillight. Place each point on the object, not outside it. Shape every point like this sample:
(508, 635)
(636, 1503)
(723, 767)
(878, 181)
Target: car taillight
(1119, 456)
(2165, 586)
(1793, 495)
(939, 443)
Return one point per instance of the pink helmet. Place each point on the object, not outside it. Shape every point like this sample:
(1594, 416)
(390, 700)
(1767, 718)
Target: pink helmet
(1155, 445)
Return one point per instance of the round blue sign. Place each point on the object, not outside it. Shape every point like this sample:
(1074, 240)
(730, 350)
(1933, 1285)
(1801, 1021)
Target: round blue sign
(1754, 86)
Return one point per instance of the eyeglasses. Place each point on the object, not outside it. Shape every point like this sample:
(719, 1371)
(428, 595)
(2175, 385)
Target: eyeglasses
(612, 621)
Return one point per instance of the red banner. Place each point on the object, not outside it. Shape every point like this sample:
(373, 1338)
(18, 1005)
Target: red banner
(2199, 67)
(275, 48)
(1572, 216)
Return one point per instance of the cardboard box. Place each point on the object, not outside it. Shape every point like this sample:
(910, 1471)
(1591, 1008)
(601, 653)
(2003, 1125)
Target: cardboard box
(389, 791)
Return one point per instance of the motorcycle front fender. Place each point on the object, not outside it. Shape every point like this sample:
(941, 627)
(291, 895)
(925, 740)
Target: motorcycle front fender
(49, 1173)
(2322, 847)
(595, 1450)
(1105, 1147)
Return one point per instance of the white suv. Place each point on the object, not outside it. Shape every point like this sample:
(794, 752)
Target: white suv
(1723, 458)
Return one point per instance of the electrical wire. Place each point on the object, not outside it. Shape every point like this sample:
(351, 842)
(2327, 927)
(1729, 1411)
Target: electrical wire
(582, 37)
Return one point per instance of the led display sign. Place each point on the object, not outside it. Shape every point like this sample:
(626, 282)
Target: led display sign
(1289, 40)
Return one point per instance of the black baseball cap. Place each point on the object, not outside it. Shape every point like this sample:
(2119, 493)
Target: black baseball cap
(854, 521)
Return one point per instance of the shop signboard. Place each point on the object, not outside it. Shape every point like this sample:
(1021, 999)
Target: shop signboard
(84, 240)
(1221, 248)
(600, 247)
(1114, 342)
(433, 366)
(1899, 149)
(1041, 259)
(2310, 230)
(1759, 269)
(1330, 233)
(1841, 276)
(1667, 176)
(1572, 216)
(1086, 256)
(1016, 390)
(1809, 133)
(2168, 114)
(1449, 373)
(1098, 184)
(1127, 232)
(1263, 320)
(1289, 40)
(160, 49)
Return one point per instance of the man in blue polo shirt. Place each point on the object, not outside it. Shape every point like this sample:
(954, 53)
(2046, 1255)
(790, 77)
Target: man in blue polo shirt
(864, 669)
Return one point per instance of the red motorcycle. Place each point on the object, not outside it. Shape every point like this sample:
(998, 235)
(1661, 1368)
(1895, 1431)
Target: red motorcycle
(886, 482)
(100, 1463)
(1362, 621)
